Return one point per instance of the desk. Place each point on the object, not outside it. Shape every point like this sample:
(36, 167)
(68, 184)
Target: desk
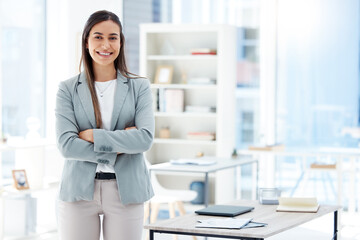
(221, 163)
(335, 155)
(277, 222)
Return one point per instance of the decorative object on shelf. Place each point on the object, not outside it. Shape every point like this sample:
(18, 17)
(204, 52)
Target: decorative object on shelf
(3, 138)
(199, 154)
(269, 196)
(164, 74)
(164, 132)
(203, 51)
(201, 136)
(20, 179)
(184, 79)
(234, 153)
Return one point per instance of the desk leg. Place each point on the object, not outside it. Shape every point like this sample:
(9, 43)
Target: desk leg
(335, 225)
(151, 234)
(255, 178)
(206, 190)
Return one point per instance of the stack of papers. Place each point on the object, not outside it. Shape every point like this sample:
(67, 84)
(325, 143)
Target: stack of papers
(193, 161)
(231, 223)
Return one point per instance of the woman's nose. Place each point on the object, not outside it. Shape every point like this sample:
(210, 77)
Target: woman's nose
(105, 44)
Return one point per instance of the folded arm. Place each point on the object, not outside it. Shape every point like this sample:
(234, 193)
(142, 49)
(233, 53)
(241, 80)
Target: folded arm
(135, 140)
(70, 145)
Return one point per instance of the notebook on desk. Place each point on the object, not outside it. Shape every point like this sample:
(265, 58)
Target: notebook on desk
(224, 210)
(294, 204)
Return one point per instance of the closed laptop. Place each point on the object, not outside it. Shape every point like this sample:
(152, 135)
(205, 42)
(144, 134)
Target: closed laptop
(224, 210)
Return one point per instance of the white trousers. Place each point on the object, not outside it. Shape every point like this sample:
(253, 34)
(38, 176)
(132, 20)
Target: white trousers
(81, 220)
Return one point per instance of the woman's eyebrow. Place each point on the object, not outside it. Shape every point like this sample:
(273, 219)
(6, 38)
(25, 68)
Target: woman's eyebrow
(111, 34)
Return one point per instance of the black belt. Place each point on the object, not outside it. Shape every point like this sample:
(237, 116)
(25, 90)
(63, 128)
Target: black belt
(105, 175)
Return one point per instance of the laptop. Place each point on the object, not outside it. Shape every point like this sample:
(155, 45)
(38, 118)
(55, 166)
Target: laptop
(224, 210)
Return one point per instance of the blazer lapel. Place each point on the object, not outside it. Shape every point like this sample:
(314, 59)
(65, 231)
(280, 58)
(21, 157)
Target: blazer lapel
(85, 98)
(119, 99)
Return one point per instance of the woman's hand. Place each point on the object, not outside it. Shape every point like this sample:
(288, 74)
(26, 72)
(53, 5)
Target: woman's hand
(87, 135)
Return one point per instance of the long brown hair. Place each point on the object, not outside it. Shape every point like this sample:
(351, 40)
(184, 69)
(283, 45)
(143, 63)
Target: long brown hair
(86, 60)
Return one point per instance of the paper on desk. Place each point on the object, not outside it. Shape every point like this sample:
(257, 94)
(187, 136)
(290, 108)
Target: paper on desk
(231, 223)
(193, 161)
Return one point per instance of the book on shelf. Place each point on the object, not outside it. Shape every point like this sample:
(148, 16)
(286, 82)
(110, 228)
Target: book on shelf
(171, 100)
(201, 136)
(298, 204)
(203, 51)
(174, 100)
(201, 80)
(274, 147)
(200, 109)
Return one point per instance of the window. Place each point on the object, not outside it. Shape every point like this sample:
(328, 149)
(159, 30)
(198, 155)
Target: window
(22, 73)
(23, 65)
(136, 12)
(318, 73)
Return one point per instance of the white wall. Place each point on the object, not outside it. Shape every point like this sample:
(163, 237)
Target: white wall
(65, 22)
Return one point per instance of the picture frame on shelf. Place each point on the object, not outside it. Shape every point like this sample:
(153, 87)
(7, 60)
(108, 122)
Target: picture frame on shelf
(20, 179)
(164, 74)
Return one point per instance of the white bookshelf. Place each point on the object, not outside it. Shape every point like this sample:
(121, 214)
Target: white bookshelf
(171, 44)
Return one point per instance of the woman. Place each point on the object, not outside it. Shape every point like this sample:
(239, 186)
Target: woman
(104, 123)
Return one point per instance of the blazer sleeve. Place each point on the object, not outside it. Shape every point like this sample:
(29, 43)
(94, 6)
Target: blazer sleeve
(67, 133)
(131, 141)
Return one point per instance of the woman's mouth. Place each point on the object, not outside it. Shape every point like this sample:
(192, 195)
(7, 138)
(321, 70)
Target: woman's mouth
(104, 54)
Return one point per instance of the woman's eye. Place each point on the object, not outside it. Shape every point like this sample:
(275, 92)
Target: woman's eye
(97, 37)
(113, 38)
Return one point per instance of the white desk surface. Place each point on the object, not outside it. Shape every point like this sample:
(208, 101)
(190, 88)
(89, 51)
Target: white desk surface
(306, 152)
(221, 163)
(277, 221)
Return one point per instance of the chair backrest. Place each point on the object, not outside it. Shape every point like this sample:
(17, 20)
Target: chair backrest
(154, 181)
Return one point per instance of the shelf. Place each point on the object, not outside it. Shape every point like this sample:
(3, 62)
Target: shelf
(185, 114)
(179, 41)
(181, 57)
(185, 86)
(183, 141)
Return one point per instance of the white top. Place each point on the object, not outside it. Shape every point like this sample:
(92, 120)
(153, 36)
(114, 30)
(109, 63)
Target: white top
(105, 92)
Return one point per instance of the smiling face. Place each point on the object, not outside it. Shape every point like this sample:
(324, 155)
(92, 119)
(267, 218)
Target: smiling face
(104, 43)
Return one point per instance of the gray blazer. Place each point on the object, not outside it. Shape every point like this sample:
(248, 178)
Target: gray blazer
(74, 113)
